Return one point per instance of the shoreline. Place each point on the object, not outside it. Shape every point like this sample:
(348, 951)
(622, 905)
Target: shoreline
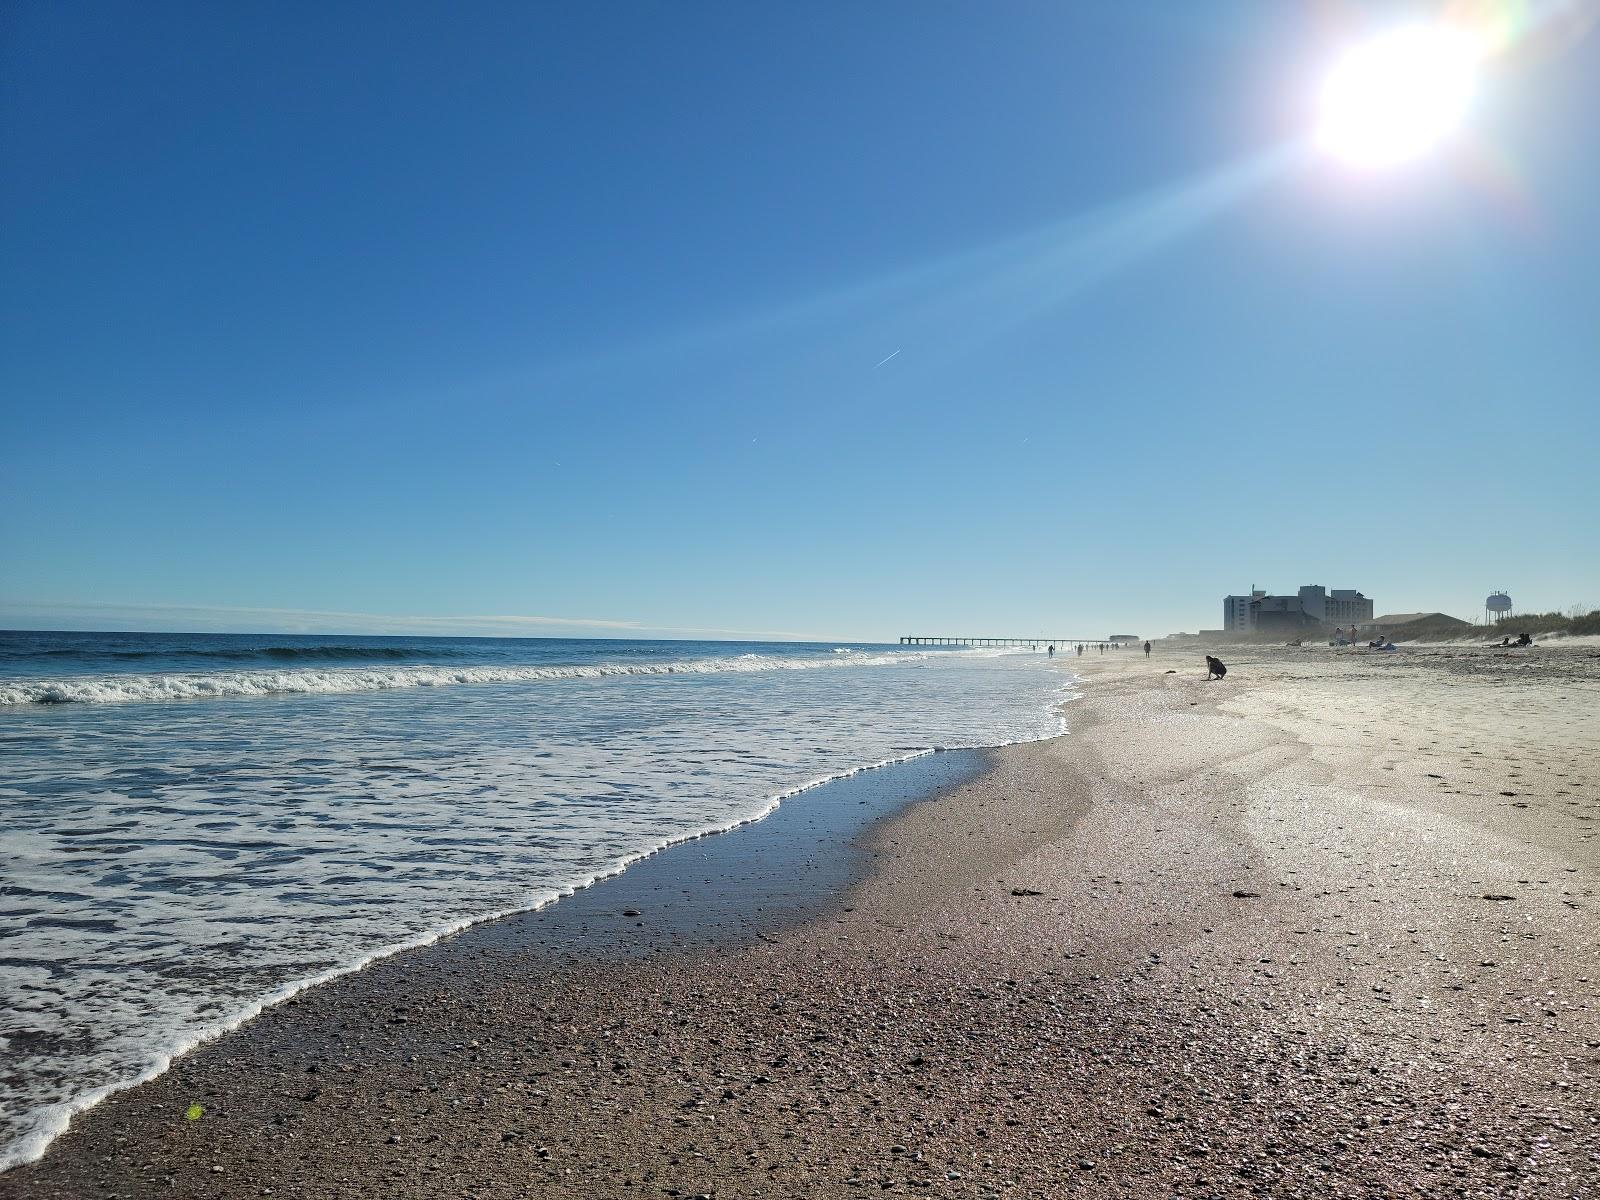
(872, 792)
(1221, 940)
(124, 955)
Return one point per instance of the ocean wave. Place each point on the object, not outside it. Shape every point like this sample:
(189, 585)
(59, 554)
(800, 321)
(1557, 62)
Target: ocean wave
(194, 685)
(352, 832)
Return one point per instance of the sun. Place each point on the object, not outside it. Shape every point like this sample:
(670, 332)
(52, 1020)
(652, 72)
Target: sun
(1397, 97)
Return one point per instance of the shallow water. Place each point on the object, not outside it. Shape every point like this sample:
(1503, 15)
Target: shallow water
(196, 826)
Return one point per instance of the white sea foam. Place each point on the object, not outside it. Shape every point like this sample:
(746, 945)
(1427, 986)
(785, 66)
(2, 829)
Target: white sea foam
(50, 1121)
(126, 688)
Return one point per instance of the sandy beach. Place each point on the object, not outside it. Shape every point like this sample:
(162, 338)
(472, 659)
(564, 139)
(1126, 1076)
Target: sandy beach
(1327, 927)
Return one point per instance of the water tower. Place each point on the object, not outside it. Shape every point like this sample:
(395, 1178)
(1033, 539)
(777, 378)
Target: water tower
(1496, 608)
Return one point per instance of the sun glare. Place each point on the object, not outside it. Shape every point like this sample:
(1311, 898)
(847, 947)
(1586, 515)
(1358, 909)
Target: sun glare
(1397, 97)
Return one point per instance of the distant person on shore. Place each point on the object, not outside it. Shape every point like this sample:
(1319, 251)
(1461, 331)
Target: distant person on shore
(1051, 652)
(1147, 649)
(1214, 668)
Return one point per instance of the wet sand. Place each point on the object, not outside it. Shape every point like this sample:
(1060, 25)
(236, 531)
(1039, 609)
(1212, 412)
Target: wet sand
(1327, 927)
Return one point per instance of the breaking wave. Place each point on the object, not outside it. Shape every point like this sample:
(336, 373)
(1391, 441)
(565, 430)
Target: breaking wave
(196, 685)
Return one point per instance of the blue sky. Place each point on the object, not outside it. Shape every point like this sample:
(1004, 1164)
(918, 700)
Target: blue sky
(344, 317)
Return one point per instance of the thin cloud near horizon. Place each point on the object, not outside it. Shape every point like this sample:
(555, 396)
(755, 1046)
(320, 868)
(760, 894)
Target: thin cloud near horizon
(165, 618)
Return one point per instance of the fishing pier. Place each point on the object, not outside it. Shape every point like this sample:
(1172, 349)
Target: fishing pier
(1032, 643)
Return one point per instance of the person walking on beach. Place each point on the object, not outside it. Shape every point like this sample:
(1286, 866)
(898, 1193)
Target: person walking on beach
(1147, 649)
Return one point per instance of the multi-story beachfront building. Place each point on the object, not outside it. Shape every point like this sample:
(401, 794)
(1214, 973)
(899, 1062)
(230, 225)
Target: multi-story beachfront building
(1236, 617)
(1311, 605)
(1241, 613)
(1339, 606)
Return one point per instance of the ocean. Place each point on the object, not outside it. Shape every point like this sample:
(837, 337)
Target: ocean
(194, 826)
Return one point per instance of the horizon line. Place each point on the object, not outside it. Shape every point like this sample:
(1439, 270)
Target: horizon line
(230, 619)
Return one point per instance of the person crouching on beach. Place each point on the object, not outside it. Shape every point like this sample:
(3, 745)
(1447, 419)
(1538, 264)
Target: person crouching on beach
(1214, 668)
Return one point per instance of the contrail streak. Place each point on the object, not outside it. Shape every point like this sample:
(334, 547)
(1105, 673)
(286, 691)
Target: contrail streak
(957, 302)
